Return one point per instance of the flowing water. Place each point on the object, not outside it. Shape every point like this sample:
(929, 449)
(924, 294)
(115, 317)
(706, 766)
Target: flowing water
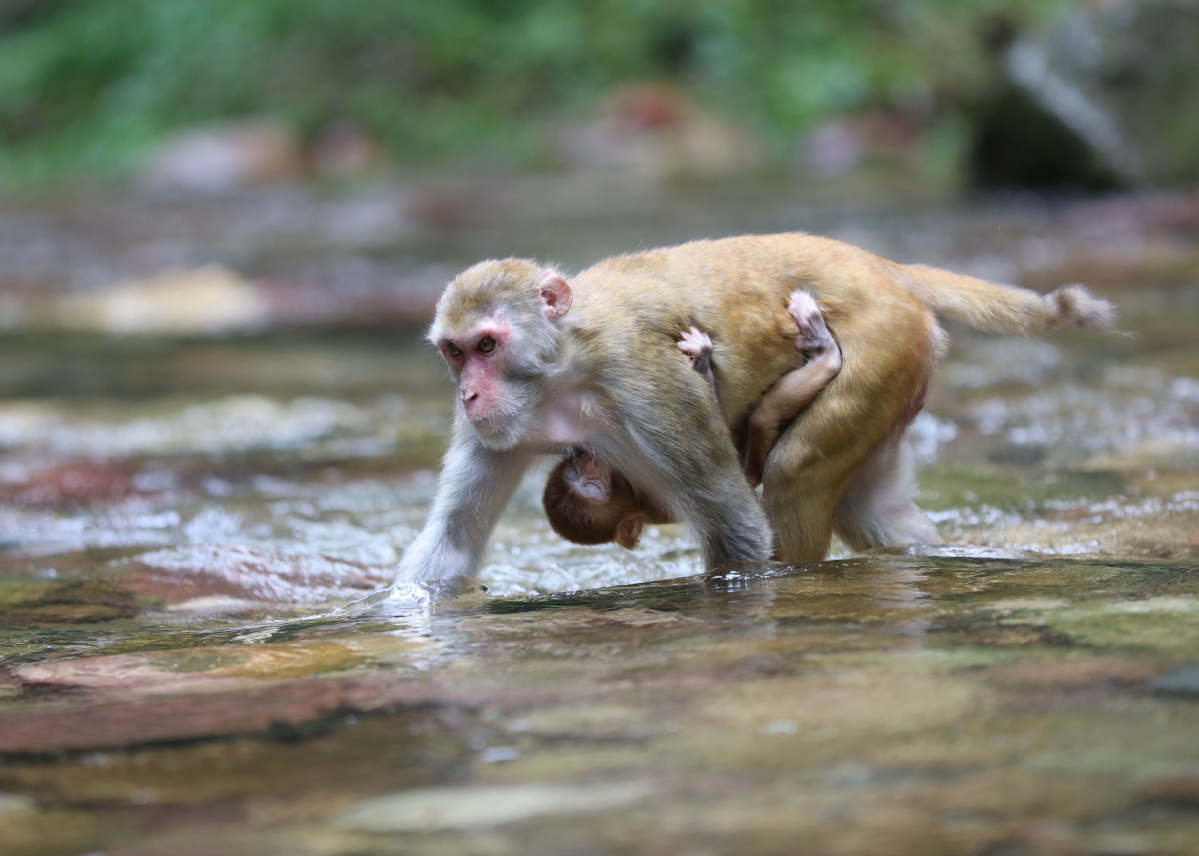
(192, 529)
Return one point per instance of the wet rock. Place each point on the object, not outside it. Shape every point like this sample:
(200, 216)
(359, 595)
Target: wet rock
(227, 425)
(73, 483)
(202, 301)
(1073, 672)
(474, 807)
(46, 833)
(74, 602)
(198, 669)
(124, 675)
(1162, 623)
(286, 710)
(16, 803)
(249, 573)
(597, 720)
(1183, 681)
(206, 606)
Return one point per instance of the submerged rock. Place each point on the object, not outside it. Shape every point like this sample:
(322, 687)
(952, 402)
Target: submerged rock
(474, 807)
(74, 602)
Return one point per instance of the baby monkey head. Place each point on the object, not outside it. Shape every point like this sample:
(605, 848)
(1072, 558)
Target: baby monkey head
(588, 502)
(497, 328)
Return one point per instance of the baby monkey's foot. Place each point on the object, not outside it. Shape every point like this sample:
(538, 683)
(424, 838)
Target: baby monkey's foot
(695, 343)
(814, 338)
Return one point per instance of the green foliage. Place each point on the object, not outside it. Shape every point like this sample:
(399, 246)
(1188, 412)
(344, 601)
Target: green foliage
(88, 83)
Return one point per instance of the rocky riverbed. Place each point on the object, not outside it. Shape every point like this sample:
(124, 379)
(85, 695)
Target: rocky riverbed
(193, 522)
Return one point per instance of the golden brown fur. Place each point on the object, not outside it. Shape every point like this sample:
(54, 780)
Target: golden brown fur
(593, 363)
(596, 522)
(878, 310)
(587, 502)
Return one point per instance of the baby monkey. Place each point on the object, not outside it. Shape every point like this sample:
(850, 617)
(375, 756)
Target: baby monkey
(588, 502)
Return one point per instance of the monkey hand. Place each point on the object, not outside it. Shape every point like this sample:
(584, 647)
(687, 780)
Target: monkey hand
(695, 343)
(434, 566)
(814, 337)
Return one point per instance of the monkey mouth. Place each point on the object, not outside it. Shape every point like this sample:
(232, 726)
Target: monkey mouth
(489, 421)
(496, 432)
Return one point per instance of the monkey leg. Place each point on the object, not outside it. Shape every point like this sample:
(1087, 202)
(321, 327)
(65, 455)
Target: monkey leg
(888, 348)
(877, 509)
(801, 490)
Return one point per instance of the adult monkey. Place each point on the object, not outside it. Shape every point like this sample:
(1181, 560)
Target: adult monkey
(542, 365)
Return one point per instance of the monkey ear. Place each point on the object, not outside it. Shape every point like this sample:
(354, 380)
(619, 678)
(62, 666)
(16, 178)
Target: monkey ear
(628, 530)
(555, 295)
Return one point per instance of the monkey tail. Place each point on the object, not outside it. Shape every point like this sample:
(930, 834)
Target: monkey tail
(1005, 308)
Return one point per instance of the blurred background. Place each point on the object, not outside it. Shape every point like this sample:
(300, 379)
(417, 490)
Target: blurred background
(337, 161)
(1062, 94)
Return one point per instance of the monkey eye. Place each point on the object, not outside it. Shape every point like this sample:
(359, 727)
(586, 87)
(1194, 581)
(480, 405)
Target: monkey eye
(453, 350)
(487, 344)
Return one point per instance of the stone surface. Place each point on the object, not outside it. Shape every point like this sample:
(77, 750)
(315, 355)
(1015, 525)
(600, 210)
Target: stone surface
(1183, 681)
(191, 529)
(472, 808)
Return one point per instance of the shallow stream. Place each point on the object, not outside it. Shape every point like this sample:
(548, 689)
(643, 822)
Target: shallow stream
(191, 528)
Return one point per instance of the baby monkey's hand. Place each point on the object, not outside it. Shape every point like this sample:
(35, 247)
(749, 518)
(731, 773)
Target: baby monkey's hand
(695, 343)
(814, 338)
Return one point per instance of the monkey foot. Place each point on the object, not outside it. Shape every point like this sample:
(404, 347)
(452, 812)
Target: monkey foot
(695, 342)
(814, 336)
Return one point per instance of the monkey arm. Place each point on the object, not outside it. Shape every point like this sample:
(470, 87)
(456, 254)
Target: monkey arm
(475, 486)
(680, 454)
(782, 402)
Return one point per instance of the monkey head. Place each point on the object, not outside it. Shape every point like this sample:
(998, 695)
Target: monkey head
(497, 327)
(588, 502)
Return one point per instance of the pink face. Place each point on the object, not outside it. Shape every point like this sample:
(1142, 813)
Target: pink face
(477, 360)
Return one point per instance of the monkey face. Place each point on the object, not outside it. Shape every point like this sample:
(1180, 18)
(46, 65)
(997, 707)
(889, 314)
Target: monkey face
(477, 359)
(496, 329)
(589, 478)
(499, 369)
